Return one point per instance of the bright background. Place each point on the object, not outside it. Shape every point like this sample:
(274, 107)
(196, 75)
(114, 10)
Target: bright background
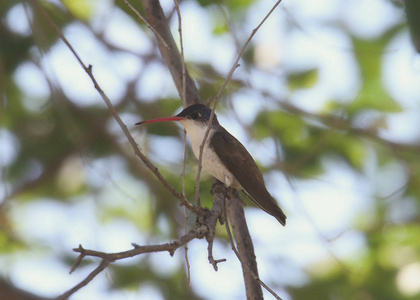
(326, 99)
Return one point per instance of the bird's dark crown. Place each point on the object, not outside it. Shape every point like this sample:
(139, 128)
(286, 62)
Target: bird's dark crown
(198, 112)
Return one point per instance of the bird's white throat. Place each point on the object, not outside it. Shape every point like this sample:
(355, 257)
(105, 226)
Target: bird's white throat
(196, 132)
(210, 162)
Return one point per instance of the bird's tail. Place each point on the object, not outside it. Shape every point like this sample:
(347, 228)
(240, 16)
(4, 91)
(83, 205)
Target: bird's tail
(270, 206)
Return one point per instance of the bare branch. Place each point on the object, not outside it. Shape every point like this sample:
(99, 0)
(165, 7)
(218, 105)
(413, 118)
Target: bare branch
(102, 266)
(249, 268)
(108, 258)
(117, 118)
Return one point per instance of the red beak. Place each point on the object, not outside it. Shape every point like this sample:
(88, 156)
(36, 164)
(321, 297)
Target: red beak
(160, 120)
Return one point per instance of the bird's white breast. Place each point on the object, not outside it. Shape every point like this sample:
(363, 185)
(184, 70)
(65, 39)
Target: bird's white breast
(210, 162)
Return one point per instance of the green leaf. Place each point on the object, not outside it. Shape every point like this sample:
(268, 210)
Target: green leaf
(81, 9)
(350, 148)
(302, 80)
(373, 96)
(232, 4)
(412, 10)
(369, 55)
(221, 29)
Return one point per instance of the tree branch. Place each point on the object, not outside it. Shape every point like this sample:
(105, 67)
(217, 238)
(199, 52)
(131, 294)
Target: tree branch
(173, 60)
(250, 271)
(108, 258)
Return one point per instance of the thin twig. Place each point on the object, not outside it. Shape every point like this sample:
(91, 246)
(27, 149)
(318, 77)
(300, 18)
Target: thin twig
(137, 151)
(185, 209)
(184, 101)
(228, 77)
(183, 94)
(102, 266)
(181, 42)
(145, 22)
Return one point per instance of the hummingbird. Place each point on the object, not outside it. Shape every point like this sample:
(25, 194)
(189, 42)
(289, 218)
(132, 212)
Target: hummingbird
(224, 157)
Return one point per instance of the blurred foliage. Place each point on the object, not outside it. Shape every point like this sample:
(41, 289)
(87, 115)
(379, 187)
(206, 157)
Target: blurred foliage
(137, 276)
(373, 94)
(412, 9)
(302, 80)
(57, 143)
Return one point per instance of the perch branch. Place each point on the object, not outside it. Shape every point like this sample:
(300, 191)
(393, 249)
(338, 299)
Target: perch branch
(246, 267)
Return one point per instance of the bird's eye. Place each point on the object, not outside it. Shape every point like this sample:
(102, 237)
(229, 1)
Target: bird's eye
(195, 116)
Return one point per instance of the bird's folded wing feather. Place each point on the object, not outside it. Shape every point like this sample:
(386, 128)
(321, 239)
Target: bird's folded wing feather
(241, 164)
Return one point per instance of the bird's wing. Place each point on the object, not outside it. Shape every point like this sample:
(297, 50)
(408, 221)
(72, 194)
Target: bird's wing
(234, 156)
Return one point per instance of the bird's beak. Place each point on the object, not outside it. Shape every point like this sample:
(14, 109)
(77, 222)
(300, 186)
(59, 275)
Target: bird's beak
(160, 120)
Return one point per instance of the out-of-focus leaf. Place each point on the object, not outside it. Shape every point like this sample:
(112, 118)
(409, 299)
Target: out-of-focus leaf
(369, 55)
(302, 80)
(233, 4)
(295, 137)
(43, 30)
(288, 126)
(81, 9)
(373, 96)
(412, 10)
(240, 3)
(221, 29)
(347, 146)
(159, 109)
(249, 54)
(172, 286)
(209, 2)
(13, 49)
(8, 241)
(305, 145)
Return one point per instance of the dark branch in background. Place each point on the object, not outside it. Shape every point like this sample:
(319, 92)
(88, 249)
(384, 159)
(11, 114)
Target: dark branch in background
(12, 292)
(171, 55)
(341, 124)
(147, 24)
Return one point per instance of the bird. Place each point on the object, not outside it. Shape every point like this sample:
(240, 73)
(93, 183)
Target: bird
(224, 157)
